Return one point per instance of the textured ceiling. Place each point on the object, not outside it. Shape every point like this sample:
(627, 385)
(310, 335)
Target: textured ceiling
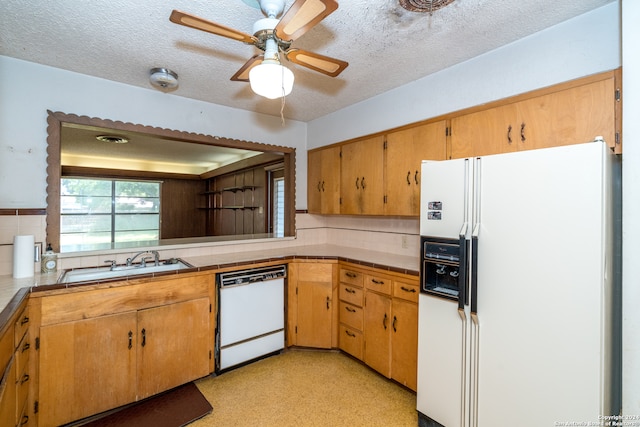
(386, 46)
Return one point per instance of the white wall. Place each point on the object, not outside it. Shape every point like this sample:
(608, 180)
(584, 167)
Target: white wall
(28, 90)
(631, 208)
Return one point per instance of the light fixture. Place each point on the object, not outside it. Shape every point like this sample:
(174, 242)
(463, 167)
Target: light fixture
(163, 78)
(271, 80)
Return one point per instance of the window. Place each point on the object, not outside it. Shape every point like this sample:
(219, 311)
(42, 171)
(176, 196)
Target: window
(97, 213)
(278, 207)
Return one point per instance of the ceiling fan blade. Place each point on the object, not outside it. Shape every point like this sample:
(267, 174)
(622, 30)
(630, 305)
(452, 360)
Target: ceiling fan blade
(242, 75)
(302, 16)
(323, 64)
(187, 20)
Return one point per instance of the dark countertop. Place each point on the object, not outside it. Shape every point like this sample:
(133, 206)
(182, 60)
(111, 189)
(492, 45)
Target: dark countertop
(14, 291)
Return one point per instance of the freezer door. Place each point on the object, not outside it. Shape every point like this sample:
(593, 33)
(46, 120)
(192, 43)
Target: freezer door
(442, 342)
(444, 197)
(542, 350)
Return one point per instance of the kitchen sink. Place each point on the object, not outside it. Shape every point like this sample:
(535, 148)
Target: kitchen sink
(97, 273)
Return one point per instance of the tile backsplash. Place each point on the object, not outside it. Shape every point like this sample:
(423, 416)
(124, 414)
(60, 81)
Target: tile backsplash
(398, 236)
(15, 225)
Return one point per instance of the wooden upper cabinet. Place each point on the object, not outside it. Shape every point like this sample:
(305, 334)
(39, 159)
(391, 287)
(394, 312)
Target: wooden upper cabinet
(569, 116)
(484, 132)
(323, 183)
(405, 151)
(362, 176)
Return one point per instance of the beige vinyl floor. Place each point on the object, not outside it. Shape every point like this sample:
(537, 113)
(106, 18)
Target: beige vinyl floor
(306, 388)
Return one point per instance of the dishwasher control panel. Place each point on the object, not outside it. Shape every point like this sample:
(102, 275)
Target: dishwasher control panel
(252, 275)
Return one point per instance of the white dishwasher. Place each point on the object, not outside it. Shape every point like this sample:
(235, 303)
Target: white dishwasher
(250, 315)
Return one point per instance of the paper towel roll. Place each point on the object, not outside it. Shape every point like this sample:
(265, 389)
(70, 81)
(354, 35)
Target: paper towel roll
(23, 255)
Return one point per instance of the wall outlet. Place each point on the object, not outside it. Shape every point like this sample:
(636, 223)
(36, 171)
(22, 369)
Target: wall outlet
(405, 245)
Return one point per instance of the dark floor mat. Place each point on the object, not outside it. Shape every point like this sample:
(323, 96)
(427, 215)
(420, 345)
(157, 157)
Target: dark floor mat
(175, 408)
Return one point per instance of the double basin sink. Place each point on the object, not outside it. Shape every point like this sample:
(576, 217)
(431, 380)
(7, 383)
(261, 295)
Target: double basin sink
(97, 273)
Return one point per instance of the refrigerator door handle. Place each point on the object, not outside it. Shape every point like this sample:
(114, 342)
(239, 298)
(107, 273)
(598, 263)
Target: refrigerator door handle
(462, 269)
(463, 369)
(474, 269)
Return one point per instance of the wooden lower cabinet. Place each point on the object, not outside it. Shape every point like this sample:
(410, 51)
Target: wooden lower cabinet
(379, 321)
(404, 343)
(91, 360)
(87, 367)
(15, 375)
(377, 332)
(167, 334)
(312, 315)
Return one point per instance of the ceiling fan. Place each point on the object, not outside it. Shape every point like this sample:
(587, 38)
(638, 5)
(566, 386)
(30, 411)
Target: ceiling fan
(274, 37)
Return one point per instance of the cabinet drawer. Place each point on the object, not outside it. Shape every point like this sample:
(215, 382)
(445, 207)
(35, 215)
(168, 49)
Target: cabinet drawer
(22, 354)
(378, 284)
(352, 277)
(351, 315)
(351, 341)
(21, 326)
(23, 418)
(406, 291)
(351, 294)
(22, 384)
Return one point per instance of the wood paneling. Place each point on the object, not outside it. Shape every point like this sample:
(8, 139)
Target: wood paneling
(180, 216)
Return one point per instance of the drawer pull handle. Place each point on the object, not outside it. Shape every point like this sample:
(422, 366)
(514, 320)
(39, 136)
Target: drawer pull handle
(395, 320)
(384, 322)
(144, 337)
(377, 282)
(522, 137)
(24, 320)
(351, 275)
(25, 347)
(130, 340)
(413, 291)
(24, 379)
(351, 334)
(351, 310)
(415, 178)
(328, 299)
(351, 291)
(24, 420)
(357, 183)
(408, 175)
(509, 134)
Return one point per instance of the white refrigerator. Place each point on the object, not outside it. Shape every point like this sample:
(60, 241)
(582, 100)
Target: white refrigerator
(528, 337)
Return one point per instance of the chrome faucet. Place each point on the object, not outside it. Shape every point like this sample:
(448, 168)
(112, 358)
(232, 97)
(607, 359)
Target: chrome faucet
(143, 261)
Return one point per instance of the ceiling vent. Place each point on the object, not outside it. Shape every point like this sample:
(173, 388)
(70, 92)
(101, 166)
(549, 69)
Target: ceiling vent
(427, 6)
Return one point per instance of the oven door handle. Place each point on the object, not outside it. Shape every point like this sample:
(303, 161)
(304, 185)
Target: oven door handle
(462, 268)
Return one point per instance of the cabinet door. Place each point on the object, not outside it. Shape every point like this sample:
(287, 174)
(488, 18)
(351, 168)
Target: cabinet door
(86, 367)
(314, 305)
(404, 343)
(174, 345)
(570, 116)
(361, 177)
(485, 132)
(377, 328)
(404, 154)
(323, 184)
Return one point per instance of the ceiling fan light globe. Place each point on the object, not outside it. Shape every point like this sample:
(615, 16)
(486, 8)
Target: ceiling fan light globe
(271, 80)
